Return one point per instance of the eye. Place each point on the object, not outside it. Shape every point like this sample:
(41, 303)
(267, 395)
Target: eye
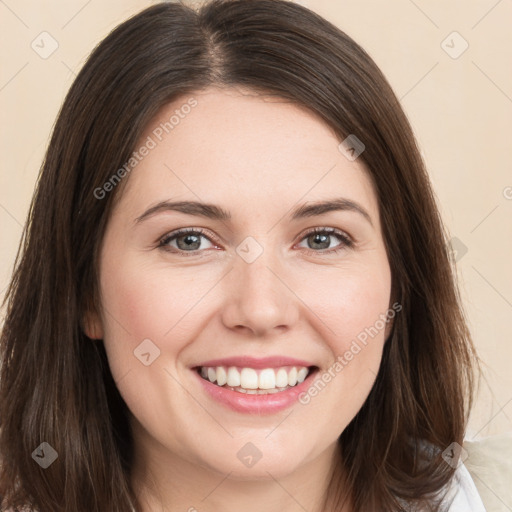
(320, 238)
(187, 240)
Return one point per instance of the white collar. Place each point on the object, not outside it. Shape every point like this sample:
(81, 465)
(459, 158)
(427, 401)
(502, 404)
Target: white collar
(464, 493)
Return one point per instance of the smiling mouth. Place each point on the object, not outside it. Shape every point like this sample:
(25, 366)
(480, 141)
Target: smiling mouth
(256, 381)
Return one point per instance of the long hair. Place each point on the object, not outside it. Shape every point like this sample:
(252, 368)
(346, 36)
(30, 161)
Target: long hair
(55, 383)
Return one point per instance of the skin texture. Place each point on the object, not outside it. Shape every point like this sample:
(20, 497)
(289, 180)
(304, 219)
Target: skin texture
(257, 157)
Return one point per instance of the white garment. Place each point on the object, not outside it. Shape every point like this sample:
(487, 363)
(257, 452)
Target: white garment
(464, 493)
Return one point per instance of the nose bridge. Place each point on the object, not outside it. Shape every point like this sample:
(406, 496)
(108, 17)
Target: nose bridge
(258, 271)
(257, 298)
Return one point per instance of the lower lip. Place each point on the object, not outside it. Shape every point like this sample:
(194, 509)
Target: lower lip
(256, 404)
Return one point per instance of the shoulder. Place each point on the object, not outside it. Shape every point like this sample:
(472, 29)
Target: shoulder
(460, 494)
(489, 462)
(463, 494)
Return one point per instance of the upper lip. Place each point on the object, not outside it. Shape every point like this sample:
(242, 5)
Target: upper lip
(256, 362)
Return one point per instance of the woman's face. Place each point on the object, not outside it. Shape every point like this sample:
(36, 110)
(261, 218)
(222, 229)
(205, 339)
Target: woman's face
(253, 296)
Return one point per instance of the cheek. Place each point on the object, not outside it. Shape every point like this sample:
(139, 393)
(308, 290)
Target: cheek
(134, 301)
(350, 302)
(151, 302)
(146, 302)
(350, 307)
(140, 307)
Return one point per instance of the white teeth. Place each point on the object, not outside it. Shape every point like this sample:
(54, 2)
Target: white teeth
(301, 375)
(249, 378)
(221, 376)
(251, 381)
(267, 379)
(233, 377)
(281, 378)
(292, 376)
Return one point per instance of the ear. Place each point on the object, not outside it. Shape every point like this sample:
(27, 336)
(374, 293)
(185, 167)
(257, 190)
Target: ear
(389, 328)
(92, 325)
(393, 311)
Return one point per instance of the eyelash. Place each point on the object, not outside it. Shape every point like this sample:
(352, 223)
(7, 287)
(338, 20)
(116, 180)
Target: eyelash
(345, 239)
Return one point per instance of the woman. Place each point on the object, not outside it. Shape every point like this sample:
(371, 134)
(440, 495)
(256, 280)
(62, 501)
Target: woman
(233, 290)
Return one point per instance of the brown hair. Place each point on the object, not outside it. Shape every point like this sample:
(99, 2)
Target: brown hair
(56, 385)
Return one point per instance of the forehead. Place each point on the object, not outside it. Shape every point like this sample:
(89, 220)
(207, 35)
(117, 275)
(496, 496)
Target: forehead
(240, 148)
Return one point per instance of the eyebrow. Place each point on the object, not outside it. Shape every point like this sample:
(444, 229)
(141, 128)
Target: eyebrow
(215, 212)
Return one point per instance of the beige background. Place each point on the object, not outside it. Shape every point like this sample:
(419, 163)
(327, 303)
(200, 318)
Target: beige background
(459, 103)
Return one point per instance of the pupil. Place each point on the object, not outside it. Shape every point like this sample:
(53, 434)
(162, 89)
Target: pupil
(188, 243)
(323, 239)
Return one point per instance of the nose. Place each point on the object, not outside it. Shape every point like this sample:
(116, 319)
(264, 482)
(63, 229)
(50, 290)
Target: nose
(258, 298)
